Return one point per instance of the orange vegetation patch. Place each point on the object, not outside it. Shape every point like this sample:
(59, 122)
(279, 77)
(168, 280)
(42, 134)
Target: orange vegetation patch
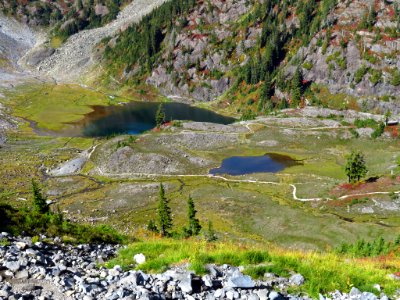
(393, 131)
(369, 186)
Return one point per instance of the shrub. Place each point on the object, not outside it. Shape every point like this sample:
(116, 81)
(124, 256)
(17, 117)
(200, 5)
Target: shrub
(360, 73)
(308, 65)
(395, 80)
(365, 123)
(379, 130)
(376, 76)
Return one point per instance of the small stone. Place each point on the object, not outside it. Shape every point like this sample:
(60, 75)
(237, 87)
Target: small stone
(13, 266)
(31, 252)
(239, 280)
(377, 287)
(262, 294)
(368, 296)
(22, 274)
(185, 284)
(20, 245)
(253, 297)
(139, 258)
(207, 280)
(275, 296)
(4, 294)
(229, 295)
(296, 279)
(354, 292)
(219, 293)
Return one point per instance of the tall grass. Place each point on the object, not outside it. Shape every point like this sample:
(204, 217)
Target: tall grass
(323, 272)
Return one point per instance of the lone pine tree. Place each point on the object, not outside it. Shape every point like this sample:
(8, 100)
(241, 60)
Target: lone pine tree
(164, 214)
(355, 167)
(39, 202)
(194, 226)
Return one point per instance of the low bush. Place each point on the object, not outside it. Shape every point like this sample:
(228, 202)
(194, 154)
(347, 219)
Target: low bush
(33, 223)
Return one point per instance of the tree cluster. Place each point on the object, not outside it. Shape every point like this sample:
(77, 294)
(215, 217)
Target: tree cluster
(140, 44)
(362, 248)
(164, 224)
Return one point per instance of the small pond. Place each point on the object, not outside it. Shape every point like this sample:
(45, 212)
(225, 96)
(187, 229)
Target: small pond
(241, 165)
(137, 117)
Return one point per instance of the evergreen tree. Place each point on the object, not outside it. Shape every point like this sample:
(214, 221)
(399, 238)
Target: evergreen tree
(160, 115)
(164, 214)
(297, 87)
(355, 167)
(39, 202)
(151, 226)
(194, 226)
(210, 234)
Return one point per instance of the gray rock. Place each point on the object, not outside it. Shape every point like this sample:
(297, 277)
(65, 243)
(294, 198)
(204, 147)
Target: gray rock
(262, 294)
(368, 296)
(238, 280)
(185, 283)
(275, 296)
(207, 280)
(4, 294)
(12, 265)
(20, 245)
(296, 279)
(22, 274)
(220, 293)
(253, 297)
(354, 292)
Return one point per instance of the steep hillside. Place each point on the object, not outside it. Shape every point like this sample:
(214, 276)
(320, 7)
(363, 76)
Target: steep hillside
(357, 55)
(252, 49)
(68, 16)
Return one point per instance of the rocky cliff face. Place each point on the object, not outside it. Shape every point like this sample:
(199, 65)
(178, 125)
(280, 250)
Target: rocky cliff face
(204, 52)
(355, 58)
(354, 49)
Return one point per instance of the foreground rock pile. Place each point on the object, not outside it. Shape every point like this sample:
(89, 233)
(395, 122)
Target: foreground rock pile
(52, 270)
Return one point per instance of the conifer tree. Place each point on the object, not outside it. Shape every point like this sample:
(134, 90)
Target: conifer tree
(164, 214)
(210, 234)
(160, 115)
(39, 202)
(194, 226)
(297, 85)
(355, 167)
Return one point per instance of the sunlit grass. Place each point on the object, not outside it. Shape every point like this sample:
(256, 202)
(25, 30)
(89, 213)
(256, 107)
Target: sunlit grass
(323, 272)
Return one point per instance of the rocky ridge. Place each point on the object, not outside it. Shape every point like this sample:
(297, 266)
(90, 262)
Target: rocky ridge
(48, 269)
(77, 55)
(350, 47)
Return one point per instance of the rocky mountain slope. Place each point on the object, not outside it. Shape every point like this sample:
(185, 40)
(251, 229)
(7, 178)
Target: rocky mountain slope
(52, 270)
(77, 55)
(357, 55)
(350, 47)
(212, 47)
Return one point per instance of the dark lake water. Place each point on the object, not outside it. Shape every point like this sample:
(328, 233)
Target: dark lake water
(241, 165)
(137, 117)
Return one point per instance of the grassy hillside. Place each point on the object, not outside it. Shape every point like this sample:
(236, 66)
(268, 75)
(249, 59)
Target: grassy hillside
(323, 272)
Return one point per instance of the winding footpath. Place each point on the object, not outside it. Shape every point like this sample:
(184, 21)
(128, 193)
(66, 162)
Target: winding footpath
(219, 177)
